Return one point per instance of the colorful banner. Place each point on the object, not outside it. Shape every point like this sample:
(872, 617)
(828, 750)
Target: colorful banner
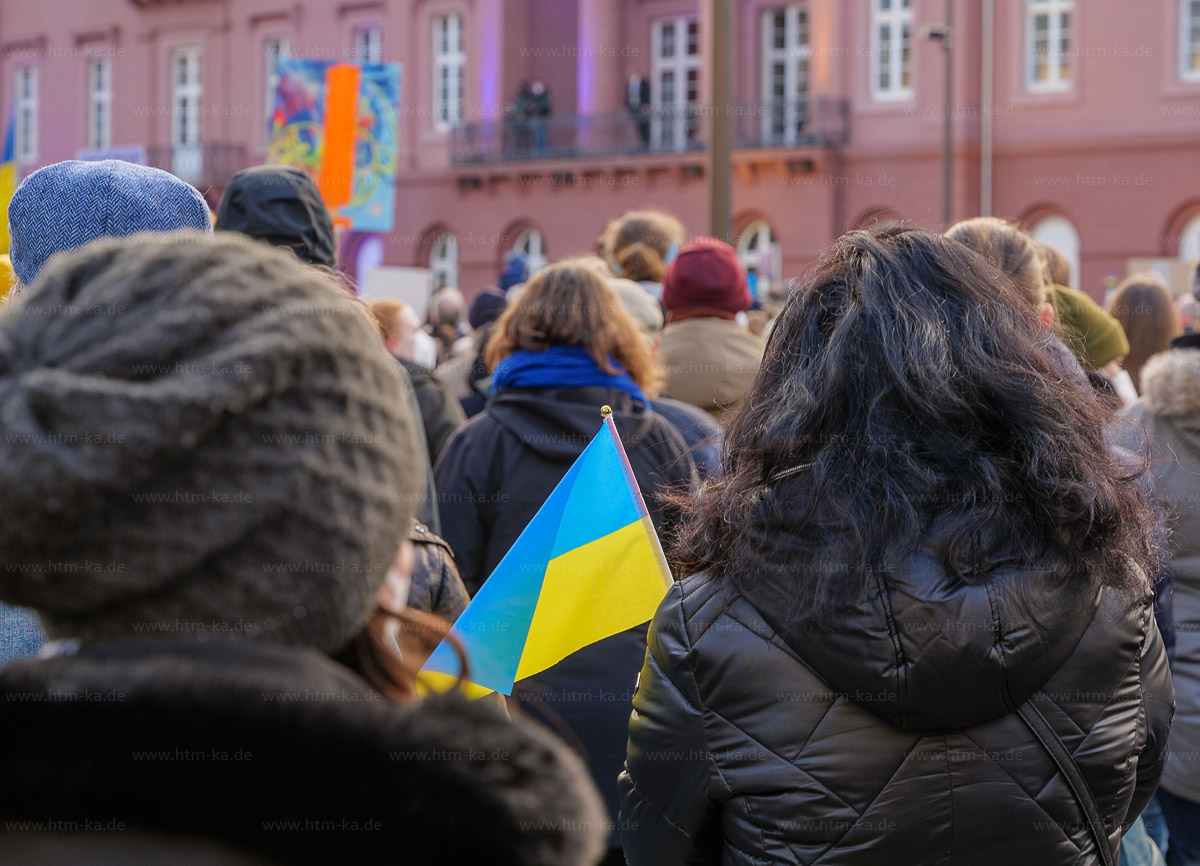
(298, 133)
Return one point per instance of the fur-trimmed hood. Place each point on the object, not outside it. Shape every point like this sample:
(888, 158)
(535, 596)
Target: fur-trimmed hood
(1171, 383)
(287, 755)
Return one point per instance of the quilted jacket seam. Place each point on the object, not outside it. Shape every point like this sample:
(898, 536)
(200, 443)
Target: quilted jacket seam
(897, 644)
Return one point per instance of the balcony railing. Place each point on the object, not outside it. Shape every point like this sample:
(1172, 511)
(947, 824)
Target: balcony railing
(202, 165)
(818, 122)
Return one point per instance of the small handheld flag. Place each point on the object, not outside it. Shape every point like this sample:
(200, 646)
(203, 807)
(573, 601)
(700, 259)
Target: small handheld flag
(588, 566)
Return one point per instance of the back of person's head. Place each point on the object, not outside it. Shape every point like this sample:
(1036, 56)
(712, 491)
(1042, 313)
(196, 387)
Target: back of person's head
(640, 304)
(1056, 270)
(69, 204)
(904, 389)
(215, 427)
(706, 275)
(1009, 249)
(641, 244)
(515, 270)
(447, 306)
(1144, 306)
(486, 307)
(569, 304)
(280, 205)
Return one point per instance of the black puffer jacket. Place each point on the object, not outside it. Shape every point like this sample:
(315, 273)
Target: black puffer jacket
(891, 738)
(493, 477)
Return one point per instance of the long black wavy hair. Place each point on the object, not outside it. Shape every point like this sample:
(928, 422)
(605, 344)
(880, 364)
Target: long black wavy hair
(907, 399)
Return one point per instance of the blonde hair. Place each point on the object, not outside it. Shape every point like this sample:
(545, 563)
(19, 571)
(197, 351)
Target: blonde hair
(570, 304)
(1009, 249)
(636, 244)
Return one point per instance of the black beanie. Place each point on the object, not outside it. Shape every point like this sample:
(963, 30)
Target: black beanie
(279, 204)
(200, 435)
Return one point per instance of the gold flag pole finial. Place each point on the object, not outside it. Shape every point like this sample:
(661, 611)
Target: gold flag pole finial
(605, 411)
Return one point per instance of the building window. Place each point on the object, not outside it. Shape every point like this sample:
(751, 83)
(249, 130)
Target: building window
(443, 261)
(368, 44)
(1189, 33)
(1048, 44)
(25, 98)
(786, 53)
(530, 244)
(99, 119)
(274, 48)
(1060, 233)
(891, 49)
(757, 252)
(1189, 240)
(185, 113)
(675, 82)
(449, 64)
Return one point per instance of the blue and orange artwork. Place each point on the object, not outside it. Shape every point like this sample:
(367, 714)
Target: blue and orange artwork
(299, 133)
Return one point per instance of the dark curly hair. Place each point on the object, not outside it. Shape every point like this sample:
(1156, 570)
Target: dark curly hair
(907, 399)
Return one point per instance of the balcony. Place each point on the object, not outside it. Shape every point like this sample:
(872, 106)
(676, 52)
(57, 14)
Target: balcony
(814, 123)
(206, 165)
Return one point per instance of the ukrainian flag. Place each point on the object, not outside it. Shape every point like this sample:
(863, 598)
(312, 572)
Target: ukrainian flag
(8, 185)
(587, 566)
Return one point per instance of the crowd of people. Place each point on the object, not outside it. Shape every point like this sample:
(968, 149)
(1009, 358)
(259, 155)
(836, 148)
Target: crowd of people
(932, 525)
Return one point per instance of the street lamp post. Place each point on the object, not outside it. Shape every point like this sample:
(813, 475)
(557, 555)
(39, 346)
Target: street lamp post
(720, 127)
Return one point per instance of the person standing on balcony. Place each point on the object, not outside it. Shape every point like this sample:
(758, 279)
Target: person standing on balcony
(710, 358)
(638, 102)
(540, 108)
(519, 114)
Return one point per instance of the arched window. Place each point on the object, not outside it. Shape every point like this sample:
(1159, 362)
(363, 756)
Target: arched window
(443, 261)
(367, 257)
(1058, 232)
(1189, 240)
(533, 247)
(757, 252)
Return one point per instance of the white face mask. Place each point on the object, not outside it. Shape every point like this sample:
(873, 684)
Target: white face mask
(424, 349)
(1123, 384)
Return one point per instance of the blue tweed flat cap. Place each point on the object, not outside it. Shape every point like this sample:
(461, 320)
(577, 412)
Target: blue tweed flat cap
(69, 204)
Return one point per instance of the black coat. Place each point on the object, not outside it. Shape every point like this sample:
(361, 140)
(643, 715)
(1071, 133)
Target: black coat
(891, 737)
(441, 413)
(492, 478)
(283, 753)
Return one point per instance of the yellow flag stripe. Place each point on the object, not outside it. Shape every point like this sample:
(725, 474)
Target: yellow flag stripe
(595, 591)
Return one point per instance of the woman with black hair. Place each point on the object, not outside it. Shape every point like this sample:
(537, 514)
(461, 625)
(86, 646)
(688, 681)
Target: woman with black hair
(918, 624)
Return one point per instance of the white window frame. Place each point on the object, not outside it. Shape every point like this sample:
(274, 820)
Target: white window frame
(443, 261)
(678, 127)
(898, 18)
(25, 100)
(368, 43)
(186, 154)
(449, 64)
(1053, 10)
(758, 250)
(531, 244)
(99, 103)
(1189, 19)
(795, 56)
(274, 48)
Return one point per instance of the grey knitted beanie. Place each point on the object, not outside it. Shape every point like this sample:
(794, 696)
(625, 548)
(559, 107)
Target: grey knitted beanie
(200, 437)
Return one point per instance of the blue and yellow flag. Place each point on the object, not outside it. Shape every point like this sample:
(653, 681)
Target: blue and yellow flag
(588, 566)
(8, 184)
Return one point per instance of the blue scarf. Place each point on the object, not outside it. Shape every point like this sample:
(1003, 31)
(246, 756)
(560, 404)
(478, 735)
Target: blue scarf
(561, 367)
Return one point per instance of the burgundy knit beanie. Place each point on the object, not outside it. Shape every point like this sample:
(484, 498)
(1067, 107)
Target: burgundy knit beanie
(707, 274)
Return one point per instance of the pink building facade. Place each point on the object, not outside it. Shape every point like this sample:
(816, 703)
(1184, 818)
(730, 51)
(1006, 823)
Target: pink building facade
(1079, 119)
